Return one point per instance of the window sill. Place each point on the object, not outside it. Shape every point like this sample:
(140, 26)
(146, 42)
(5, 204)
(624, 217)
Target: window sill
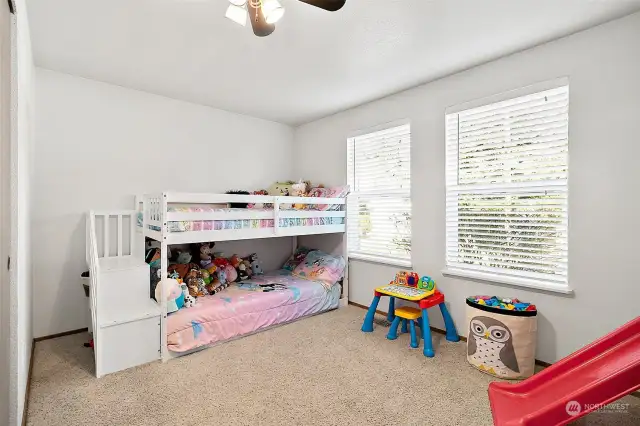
(514, 281)
(381, 260)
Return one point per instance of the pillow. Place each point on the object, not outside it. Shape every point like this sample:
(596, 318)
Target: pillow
(281, 188)
(335, 192)
(323, 267)
(295, 259)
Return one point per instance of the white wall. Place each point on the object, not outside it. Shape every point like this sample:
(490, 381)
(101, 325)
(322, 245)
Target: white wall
(98, 144)
(603, 65)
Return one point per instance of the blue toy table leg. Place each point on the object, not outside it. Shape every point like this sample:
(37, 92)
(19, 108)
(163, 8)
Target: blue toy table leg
(414, 337)
(452, 333)
(367, 325)
(404, 326)
(392, 309)
(426, 335)
(393, 330)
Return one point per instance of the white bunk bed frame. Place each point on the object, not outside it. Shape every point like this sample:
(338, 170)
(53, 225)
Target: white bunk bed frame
(155, 213)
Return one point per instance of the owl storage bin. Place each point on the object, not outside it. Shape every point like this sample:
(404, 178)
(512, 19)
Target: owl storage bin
(502, 335)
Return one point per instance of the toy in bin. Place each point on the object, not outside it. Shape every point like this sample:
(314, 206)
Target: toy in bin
(502, 303)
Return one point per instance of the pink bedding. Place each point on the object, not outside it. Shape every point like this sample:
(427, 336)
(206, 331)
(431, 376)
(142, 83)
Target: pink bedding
(237, 310)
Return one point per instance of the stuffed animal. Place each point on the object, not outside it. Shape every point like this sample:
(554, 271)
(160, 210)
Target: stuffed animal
(253, 262)
(243, 273)
(247, 267)
(280, 189)
(231, 273)
(205, 254)
(213, 289)
(299, 190)
(152, 252)
(173, 294)
(258, 205)
(189, 301)
(221, 276)
(195, 283)
(182, 256)
(235, 261)
(182, 269)
(220, 262)
(206, 276)
(256, 269)
(238, 205)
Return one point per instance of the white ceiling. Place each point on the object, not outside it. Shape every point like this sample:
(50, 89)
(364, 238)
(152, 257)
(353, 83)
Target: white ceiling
(316, 63)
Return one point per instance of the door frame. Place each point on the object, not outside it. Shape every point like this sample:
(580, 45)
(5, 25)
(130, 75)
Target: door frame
(8, 197)
(6, 129)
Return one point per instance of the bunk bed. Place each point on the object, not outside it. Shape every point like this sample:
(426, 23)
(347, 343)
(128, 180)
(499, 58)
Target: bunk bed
(183, 218)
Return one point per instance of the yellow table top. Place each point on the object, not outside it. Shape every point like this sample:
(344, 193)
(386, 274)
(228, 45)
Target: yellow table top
(404, 292)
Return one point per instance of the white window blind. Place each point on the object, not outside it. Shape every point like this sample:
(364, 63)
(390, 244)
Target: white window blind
(379, 206)
(506, 190)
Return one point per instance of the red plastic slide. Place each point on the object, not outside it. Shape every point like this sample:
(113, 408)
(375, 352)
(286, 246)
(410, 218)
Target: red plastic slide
(586, 380)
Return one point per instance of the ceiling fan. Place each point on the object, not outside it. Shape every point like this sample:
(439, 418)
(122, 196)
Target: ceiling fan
(263, 14)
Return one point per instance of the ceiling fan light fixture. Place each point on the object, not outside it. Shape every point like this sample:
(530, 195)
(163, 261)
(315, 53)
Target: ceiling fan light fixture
(272, 11)
(237, 14)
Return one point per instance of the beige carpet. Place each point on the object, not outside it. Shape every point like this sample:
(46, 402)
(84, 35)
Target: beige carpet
(317, 371)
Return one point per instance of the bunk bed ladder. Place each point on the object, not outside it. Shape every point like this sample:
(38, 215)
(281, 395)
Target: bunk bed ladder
(124, 319)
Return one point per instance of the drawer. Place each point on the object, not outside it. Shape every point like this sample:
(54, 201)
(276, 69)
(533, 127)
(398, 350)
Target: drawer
(127, 345)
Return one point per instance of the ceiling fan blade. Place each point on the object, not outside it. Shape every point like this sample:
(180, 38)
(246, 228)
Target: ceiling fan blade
(259, 25)
(330, 5)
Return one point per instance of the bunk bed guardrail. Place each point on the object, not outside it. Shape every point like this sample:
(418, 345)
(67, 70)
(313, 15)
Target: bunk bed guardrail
(156, 211)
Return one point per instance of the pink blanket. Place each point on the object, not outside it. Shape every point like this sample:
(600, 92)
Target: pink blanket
(238, 310)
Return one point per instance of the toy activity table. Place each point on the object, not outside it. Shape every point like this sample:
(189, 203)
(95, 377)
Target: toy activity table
(425, 300)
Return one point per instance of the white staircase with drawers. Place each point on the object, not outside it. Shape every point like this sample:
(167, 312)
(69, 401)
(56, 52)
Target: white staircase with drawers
(125, 320)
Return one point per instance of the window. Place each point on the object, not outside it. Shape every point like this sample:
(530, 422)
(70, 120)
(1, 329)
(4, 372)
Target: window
(379, 206)
(506, 190)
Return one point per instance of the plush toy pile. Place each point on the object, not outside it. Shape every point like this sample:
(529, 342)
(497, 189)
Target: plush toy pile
(295, 189)
(201, 271)
(500, 303)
